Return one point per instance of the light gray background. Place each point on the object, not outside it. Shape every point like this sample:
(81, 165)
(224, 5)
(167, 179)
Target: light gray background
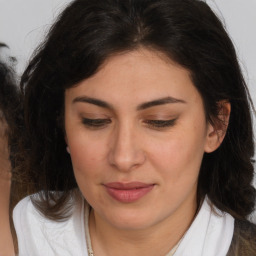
(23, 24)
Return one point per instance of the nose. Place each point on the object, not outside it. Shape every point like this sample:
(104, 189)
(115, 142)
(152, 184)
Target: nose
(126, 152)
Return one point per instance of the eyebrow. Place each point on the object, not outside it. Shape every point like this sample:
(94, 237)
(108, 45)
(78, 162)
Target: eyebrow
(145, 105)
(93, 101)
(158, 102)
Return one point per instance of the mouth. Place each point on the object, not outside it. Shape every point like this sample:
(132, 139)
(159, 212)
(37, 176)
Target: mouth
(128, 192)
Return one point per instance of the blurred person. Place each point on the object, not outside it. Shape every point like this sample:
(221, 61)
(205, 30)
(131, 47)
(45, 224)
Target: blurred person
(8, 97)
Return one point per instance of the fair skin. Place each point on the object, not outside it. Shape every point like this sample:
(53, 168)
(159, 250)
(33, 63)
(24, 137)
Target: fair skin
(6, 243)
(151, 129)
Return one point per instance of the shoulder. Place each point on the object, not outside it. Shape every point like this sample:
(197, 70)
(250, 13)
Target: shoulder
(244, 239)
(22, 205)
(24, 213)
(26, 219)
(38, 235)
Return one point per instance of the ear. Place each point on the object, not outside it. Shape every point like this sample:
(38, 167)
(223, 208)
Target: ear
(216, 130)
(66, 140)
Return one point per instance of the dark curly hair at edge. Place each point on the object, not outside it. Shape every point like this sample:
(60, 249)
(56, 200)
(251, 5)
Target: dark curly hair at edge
(84, 36)
(9, 95)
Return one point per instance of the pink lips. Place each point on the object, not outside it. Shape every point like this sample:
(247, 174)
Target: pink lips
(128, 192)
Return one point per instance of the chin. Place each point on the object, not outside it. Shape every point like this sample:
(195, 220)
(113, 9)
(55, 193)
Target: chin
(135, 220)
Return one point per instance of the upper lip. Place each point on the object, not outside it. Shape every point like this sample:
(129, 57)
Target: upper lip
(128, 185)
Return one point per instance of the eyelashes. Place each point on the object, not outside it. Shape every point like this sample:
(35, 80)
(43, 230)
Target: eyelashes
(160, 123)
(95, 123)
(154, 124)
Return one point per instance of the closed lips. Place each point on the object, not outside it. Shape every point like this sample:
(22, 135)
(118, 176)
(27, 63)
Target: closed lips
(128, 192)
(127, 186)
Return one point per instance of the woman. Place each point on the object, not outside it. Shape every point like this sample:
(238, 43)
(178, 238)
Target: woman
(138, 135)
(8, 99)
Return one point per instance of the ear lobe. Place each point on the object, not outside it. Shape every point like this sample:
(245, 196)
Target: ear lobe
(66, 140)
(217, 129)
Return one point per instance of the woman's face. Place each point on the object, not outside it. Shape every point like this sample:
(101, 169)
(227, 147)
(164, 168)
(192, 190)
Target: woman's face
(136, 133)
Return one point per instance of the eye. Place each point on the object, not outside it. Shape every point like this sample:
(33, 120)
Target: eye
(95, 123)
(157, 124)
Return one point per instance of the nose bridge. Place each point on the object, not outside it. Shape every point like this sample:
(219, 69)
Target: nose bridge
(125, 150)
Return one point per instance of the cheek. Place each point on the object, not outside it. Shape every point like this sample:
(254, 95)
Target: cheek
(86, 166)
(90, 168)
(86, 154)
(180, 155)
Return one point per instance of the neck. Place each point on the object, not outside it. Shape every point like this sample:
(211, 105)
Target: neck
(158, 239)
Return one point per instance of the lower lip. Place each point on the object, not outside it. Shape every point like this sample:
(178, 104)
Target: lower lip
(128, 195)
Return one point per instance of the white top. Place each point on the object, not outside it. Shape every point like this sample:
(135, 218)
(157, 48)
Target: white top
(39, 236)
(209, 234)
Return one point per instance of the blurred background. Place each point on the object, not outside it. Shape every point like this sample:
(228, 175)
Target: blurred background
(24, 23)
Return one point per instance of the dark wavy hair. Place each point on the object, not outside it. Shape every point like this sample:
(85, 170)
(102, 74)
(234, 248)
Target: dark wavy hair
(9, 98)
(83, 37)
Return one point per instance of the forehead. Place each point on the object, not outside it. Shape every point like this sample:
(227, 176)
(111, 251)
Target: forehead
(141, 75)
